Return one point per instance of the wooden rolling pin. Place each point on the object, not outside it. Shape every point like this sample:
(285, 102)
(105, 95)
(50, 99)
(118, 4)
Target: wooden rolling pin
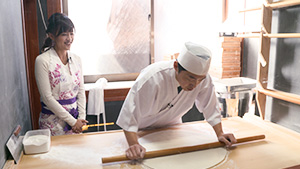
(178, 150)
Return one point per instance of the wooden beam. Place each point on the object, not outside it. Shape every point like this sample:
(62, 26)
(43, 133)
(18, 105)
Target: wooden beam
(270, 35)
(224, 10)
(263, 62)
(261, 104)
(262, 73)
(250, 9)
(283, 4)
(289, 97)
(283, 35)
(249, 35)
(54, 6)
(31, 41)
(274, 5)
(266, 19)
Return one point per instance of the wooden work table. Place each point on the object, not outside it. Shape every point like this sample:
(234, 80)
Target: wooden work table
(280, 148)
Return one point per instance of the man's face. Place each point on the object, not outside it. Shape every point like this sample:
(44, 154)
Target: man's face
(187, 80)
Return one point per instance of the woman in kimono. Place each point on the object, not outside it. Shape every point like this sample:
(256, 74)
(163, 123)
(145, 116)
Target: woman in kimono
(156, 99)
(59, 78)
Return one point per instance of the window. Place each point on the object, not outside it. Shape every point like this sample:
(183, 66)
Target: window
(112, 36)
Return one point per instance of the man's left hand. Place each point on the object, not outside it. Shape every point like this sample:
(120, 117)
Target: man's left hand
(228, 139)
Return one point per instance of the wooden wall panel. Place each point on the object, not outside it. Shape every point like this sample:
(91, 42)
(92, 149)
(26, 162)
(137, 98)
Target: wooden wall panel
(32, 51)
(53, 6)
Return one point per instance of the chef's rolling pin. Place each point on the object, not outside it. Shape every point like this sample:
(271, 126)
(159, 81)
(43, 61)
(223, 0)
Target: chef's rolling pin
(178, 150)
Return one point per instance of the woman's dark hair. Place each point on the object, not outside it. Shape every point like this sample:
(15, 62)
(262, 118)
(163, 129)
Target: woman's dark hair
(57, 24)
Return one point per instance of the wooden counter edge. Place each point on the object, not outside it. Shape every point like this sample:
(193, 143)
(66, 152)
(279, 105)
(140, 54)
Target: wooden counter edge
(10, 164)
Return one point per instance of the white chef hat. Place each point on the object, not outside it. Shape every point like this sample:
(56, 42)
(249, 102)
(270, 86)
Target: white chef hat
(195, 58)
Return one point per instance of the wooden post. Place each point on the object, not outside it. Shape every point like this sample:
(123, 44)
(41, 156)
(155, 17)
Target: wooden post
(263, 59)
(53, 6)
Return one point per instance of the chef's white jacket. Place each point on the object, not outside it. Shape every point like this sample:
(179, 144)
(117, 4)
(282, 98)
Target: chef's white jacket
(153, 101)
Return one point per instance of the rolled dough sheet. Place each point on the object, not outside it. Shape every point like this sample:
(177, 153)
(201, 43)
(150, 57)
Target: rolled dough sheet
(172, 138)
(192, 160)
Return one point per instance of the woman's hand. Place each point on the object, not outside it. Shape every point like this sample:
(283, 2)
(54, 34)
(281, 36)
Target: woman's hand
(77, 128)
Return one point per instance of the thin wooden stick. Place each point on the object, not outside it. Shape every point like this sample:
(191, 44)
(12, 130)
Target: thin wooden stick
(171, 151)
(249, 35)
(101, 124)
(250, 9)
(85, 127)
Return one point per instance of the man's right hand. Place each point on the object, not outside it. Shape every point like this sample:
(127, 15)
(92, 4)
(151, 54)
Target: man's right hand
(135, 152)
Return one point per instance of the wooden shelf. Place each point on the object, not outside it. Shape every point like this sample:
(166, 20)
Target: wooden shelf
(289, 97)
(283, 4)
(282, 35)
(264, 55)
(274, 5)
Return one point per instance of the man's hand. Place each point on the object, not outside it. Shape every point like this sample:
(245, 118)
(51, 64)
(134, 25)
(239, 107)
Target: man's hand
(228, 139)
(135, 152)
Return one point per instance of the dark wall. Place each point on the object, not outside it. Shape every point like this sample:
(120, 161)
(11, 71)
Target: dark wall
(113, 109)
(14, 102)
(284, 67)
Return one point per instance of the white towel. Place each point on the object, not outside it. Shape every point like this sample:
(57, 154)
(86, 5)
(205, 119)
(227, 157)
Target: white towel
(96, 98)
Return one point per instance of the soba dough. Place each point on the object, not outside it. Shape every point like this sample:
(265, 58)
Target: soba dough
(193, 160)
(179, 138)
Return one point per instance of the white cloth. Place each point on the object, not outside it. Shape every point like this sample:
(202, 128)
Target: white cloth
(153, 101)
(96, 98)
(195, 58)
(57, 81)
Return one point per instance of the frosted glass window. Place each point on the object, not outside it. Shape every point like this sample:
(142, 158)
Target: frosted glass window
(112, 36)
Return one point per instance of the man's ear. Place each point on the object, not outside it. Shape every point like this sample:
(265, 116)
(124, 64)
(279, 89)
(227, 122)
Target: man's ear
(175, 65)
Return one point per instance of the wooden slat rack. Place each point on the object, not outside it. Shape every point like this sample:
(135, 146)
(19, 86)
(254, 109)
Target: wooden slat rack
(263, 59)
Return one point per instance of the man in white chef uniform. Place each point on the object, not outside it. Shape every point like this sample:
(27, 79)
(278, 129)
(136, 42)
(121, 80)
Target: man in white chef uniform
(154, 100)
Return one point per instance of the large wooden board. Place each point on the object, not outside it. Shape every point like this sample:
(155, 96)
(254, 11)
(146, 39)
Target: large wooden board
(280, 149)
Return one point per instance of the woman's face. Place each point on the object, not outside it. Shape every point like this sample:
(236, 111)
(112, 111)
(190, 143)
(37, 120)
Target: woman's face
(64, 41)
(187, 80)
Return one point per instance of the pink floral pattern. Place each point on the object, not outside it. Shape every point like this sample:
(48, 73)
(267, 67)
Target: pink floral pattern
(66, 95)
(54, 76)
(55, 129)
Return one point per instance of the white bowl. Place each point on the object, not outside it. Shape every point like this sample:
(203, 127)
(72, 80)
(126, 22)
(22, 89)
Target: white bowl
(37, 141)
